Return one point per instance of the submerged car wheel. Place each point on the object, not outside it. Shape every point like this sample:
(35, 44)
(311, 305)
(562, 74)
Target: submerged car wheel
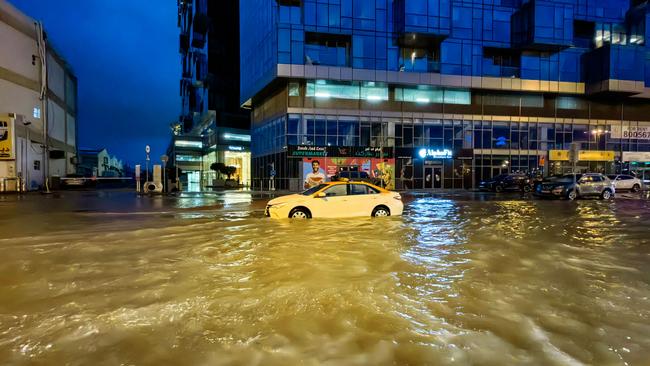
(607, 194)
(299, 213)
(572, 195)
(380, 211)
(636, 188)
(498, 188)
(527, 188)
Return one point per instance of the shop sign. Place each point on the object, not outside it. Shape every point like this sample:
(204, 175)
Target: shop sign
(596, 155)
(340, 151)
(6, 139)
(583, 155)
(235, 148)
(630, 132)
(307, 150)
(636, 156)
(434, 154)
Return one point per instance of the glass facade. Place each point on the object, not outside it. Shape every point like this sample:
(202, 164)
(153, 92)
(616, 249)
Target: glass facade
(500, 85)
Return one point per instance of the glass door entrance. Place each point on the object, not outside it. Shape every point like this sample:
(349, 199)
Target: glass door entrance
(432, 177)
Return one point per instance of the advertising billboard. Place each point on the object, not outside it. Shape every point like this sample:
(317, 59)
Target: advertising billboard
(630, 132)
(6, 139)
(317, 170)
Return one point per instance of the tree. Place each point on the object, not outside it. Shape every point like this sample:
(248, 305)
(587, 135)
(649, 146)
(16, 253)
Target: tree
(218, 167)
(230, 170)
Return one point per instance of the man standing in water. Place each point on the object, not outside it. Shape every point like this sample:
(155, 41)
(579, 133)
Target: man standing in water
(316, 177)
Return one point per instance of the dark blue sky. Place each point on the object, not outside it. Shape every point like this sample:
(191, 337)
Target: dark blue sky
(125, 56)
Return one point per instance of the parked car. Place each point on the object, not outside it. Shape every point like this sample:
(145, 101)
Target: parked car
(625, 181)
(337, 199)
(356, 177)
(590, 184)
(507, 182)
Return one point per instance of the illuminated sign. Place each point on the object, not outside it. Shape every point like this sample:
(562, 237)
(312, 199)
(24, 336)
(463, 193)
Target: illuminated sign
(6, 139)
(435, 154)
(188, 143)
(236, 137)
(636, 156)
(235, 148)
(583, 155)
(630, 132)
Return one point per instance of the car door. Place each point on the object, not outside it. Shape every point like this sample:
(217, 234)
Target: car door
(334, 204)
(624, 182)
(598, 184)
(585, 185)
(360, 203)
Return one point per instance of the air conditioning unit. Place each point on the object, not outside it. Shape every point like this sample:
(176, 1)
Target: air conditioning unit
(153, 187)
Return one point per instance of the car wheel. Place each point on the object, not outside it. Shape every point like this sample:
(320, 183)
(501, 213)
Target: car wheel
(299, 213)
(380, 211)
(636, 188)
(527, 188)
(572, 195)
(498, 189)
(607, 194)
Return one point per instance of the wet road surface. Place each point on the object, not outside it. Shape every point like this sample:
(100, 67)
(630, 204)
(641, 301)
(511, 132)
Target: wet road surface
(107, 278)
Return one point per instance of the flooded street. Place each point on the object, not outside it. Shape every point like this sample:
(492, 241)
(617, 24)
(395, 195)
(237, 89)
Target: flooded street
(112, 279)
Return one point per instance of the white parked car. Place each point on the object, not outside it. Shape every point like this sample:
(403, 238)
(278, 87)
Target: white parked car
(337, 199)
(626, 182)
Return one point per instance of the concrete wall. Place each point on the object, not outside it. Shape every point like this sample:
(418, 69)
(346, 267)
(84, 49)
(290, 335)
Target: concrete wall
(56, 121)
(71, 130)
(55, 77)
(30, 152)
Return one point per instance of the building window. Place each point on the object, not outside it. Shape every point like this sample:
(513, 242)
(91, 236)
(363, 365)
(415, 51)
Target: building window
(419, 60)
(327, 49)
(608, 33)
(425, 95)
(370, 91)
(294, 89)
(37, 165)
(501, 62)
(583, 33)
(37, 112)
(289, 2)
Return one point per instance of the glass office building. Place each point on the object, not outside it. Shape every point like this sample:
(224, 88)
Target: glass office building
(442, 94)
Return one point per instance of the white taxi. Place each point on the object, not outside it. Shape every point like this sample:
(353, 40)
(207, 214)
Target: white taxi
(337, 199)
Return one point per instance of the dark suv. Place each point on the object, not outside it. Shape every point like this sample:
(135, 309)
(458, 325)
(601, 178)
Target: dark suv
(356, 177)
(507, 182)
(589, 184)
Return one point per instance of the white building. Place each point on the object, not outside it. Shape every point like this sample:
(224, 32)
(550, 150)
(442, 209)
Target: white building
(29, 101)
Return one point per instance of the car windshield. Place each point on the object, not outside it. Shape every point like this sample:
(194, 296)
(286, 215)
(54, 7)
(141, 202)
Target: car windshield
(612, 176)
(313, 190)
(499, 177)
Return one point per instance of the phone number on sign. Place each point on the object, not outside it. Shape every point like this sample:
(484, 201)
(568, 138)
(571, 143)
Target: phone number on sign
(636, 134)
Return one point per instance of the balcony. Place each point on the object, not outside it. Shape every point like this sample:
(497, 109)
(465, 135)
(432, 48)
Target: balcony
(614, 68)
(423, 64)
(416, 16)
(542, 26)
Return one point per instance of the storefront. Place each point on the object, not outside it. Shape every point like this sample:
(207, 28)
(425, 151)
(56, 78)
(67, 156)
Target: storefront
(637, 163)
(595, 161)
(321, 163)
(231, 147)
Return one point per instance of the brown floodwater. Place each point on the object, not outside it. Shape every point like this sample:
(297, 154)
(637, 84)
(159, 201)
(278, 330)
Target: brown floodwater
(207, 280)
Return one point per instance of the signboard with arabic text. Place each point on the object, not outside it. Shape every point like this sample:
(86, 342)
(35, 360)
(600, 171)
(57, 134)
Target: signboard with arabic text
(7, 151)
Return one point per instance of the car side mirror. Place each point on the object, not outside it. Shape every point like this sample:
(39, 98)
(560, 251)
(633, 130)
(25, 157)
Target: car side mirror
(320, 195)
